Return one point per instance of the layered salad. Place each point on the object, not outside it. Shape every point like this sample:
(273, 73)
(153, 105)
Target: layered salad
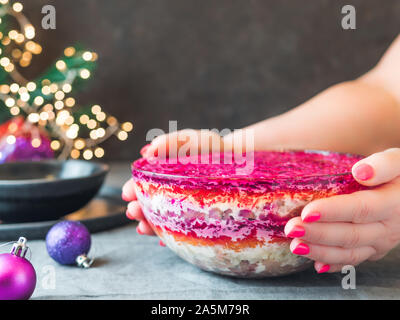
(231, 222)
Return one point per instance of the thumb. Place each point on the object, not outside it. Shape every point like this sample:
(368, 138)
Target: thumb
(378, 168)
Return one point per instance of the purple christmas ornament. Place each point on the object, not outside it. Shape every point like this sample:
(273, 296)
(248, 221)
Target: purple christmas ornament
(68, 242)
(17, 275)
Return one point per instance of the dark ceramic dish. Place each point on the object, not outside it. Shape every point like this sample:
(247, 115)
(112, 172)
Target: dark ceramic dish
(47, 190)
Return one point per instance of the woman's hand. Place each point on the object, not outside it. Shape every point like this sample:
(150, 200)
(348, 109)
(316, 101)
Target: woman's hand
(349, 229)
(201, 141)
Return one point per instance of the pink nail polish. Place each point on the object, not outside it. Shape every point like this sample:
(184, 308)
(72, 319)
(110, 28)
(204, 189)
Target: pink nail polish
(301, 249)
(324, 268)
(139, 231)
(312, 216)
(363, 172)
(143, 150)
(162, 244)
(296, 232)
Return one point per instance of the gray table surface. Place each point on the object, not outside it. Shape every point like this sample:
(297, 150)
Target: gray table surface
(130, 266)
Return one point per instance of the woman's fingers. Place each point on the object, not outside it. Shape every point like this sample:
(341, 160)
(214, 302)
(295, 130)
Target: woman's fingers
(183, 143)
(134, 211)
(321, 267)
(359, 207)
(144, 228)
(331, 255)
(378, 168)
(128, 191)
(341, 234)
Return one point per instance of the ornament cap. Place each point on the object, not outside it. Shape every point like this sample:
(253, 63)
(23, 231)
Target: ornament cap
(20, 248)
(83, 261)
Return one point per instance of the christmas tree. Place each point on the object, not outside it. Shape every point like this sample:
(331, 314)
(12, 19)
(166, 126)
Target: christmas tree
(40, 118)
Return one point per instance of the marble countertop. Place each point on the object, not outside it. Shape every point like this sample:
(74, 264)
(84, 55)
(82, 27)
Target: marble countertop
(129, 266)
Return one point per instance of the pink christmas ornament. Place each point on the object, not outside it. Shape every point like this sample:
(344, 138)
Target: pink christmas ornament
(17, 275)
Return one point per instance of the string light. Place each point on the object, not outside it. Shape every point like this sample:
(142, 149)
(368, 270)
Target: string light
(127, 126)
(16, 53)
(36, 142)
(69, 52)
(20, 38)
(93, 134)
(122, 135)
(53, 87)
(85, 73)
(29, 31)
(59, 105)
(31, 86)
(14, 87)
(75, 154)
(44, 116)
(88, 154)
(70, 102)
(84, 119)
(79, 144)
(59, 95)
(111, 121)
(25, 96)
(55, 145)
(67, 88)
(9, 67)
(4, 61)
(101, 116)
(96, 109)
(87, 56)
(14, 111)
(33, 117)
(99, 152)
(22, 90)
(38, 100)
(13, 34)
(17, 7)
(100, 132)
(6, 41)
(11, 139)
(46, 90)
(10, 102)
(60, 65)
(4, 89)
(91, 124)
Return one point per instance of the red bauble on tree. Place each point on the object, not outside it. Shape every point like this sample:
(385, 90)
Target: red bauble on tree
(22, 141)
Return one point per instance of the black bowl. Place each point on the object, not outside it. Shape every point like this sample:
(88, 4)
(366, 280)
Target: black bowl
(47, 190)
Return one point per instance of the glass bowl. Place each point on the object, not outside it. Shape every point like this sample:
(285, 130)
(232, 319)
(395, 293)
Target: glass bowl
(231, 222)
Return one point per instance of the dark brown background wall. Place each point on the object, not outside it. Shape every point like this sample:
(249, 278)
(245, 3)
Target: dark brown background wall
(212, 64)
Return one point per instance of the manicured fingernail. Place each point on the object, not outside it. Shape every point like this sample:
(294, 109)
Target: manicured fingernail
(312, 216)
(139, 231)
(363, 172)
(162, 244)
(144, 149)
(324, 268)
(296, 232)
(301, 249)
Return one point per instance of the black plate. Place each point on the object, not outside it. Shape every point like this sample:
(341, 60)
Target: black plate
(104, 212)
(47, 190)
